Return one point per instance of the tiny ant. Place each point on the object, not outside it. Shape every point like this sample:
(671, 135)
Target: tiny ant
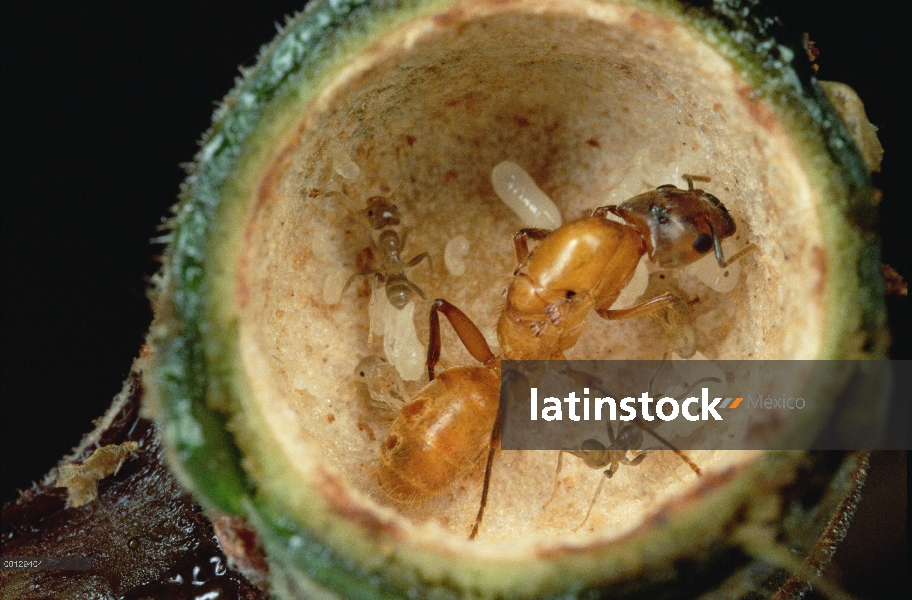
(389, 268)
(383, 383)
(629, 439)
(383, 255)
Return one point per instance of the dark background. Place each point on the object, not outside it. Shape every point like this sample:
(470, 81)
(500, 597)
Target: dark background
(102, 105)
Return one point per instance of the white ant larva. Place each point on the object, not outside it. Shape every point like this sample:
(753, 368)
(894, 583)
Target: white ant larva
(343, 165)
(519, 192)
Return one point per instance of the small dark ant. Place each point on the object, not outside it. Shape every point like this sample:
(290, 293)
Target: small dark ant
(390, 268)
(384, 253)
(629, 439)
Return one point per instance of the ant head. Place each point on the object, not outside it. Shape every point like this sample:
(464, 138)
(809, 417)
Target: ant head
(381, 212)
(679, 226)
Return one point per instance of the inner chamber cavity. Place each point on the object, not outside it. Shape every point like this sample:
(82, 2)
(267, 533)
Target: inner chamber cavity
(596, 110)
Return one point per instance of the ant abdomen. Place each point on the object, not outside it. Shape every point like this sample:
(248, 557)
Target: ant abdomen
(440, 435)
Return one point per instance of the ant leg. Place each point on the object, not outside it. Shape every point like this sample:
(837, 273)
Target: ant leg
(520, 241)
(416, 289)
(681, 332)
(348, 283)
(511, 380)
(690, 387)
(560, 458)
(595, 496)
(644, 308)
(656, 373)
(468, 333)
(636, 459)
(747, 249)
(352, 278)
(608, 473)
(345, 199)
(613, 209)
(495, 442)
(419, 258)
(352, 208)
(405, 232)
(670, 446)
(665, 442)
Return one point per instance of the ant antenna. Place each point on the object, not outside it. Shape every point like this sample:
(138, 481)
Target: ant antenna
(684, 457)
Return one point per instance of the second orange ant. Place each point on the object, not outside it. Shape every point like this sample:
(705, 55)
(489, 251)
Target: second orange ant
(444, 431)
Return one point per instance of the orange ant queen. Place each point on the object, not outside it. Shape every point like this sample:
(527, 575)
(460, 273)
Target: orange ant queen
(583, 265)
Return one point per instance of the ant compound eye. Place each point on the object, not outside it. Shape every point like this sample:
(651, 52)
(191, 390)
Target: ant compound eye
(570, 294)
(703, 243)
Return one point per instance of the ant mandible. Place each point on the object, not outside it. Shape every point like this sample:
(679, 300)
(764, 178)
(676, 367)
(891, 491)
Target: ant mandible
(442, 433)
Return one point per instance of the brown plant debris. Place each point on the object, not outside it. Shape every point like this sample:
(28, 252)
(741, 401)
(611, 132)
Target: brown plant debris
(894, 284)
(81, 481)
(851, 111)
(812, 52)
